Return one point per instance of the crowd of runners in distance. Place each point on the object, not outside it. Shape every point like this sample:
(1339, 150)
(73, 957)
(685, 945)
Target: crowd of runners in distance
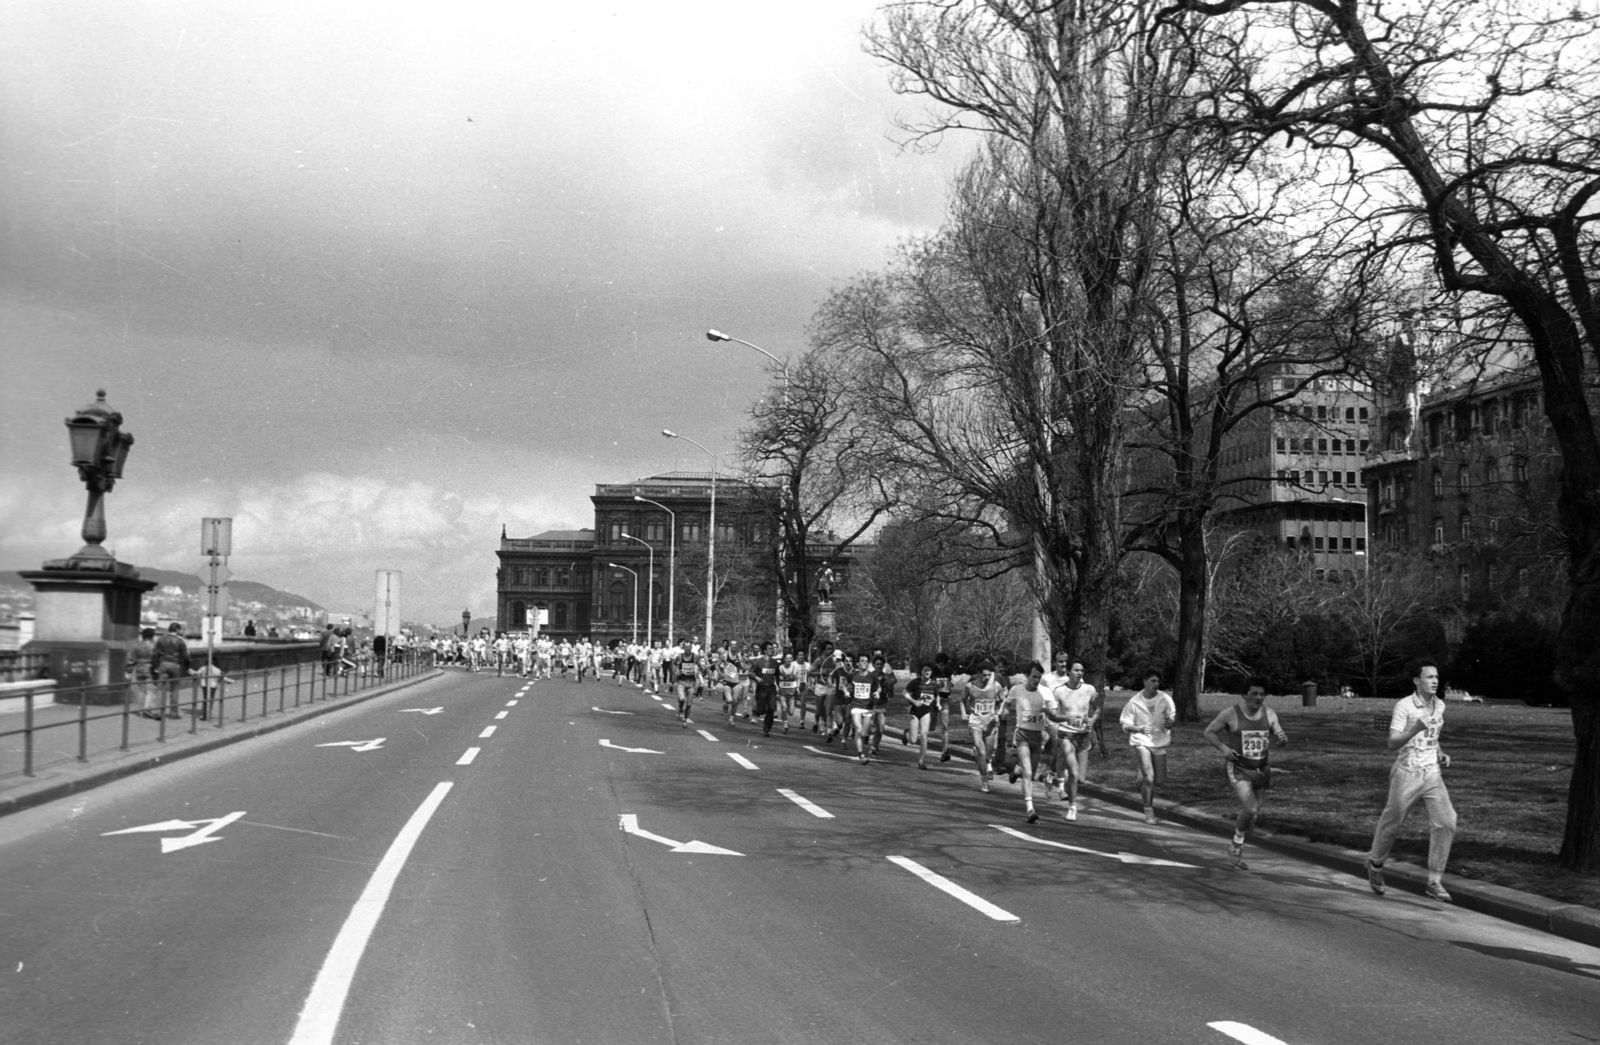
(1033, 724)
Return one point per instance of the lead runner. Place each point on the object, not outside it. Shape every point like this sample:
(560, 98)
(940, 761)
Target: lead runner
(1245, 733)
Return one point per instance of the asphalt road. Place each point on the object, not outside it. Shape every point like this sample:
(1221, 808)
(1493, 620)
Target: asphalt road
(397, 892)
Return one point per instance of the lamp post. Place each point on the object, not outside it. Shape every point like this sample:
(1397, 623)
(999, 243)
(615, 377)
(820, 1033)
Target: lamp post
(99, 450)
(649, 591)
(711, 542)
(466, 622)
(672, 564)
(619, 566)
(783, 366)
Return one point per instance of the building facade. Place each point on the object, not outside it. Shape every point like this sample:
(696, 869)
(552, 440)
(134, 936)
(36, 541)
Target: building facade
(1297, 474)
(641, 570)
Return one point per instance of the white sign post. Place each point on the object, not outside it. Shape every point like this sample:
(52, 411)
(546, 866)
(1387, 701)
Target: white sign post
(216, 544)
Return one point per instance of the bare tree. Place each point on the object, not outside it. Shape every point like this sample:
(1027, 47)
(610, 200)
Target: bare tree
(810, 441)
(1471, 127)
(1386, 595)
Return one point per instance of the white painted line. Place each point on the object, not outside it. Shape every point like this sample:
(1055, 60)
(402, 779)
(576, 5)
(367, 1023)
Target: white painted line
(635, 750)
(806, 804)
(488, 731)
(1245, 1033)
(708, 736)
(745, 762)
(511, 703)
(940, 882)
(466, 759)
(501, 714)
(319, 1018)
(1127, 858)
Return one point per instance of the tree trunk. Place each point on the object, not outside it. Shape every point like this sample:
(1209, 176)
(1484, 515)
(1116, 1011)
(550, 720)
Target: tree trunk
(1576, 671)
(1194, 576)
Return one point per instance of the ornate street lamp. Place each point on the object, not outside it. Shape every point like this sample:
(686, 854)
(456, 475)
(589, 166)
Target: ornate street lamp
(99, 451)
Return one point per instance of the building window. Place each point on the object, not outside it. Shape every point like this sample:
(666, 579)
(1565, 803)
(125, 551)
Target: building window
(1463, 479)
(691, 529)
(1283, 475)
(1438, 484)
(1438, 529)
(1361, 542)
(655, 531)
(1466, 582)
(563, 578)
(1294, 446)
(1364, 446)
(1281, 444)
(519, 615)
(1494, 578)
(1350, 478)
(1322, 446)
(1322, 478)
(1349, 413)
(1349, 446)
(1494, 529)
(1435, 430)
(616, 532)
(1491, 473)
(1294, 476)
(1519, 469)
(1466, 526)
(1316, 545)
(1322, 413)
(1349, 544)
(558, 617)
(543, 579)
(1363, 413)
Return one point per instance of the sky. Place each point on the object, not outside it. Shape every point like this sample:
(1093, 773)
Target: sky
(375, 279)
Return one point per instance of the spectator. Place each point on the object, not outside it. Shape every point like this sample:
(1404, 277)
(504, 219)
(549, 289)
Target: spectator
(169, 662)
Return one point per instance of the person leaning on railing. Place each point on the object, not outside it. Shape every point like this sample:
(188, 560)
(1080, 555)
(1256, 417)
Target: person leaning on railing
(143, 694)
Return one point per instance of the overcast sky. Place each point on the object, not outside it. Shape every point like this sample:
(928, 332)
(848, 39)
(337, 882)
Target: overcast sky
(375, 278)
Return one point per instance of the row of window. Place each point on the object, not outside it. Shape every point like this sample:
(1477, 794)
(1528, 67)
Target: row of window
(1491, 475)
(1293, 476)
(559, 613)
(1327, 544)
(1323, 412)
(545, 577)
(1464, 528)
(689, 530)
(1305, 446)
(1464, 420)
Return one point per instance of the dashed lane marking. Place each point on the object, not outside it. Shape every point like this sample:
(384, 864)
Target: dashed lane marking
(511, 703)
(806, 804)
(1245, 1033)
(745, 762)
(501, 714)
(466, 759)
(319, 1018)
(488, 731)
(940, 882)
(708, 736)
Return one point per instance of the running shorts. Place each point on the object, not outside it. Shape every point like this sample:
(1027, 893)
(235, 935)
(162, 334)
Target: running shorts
(1078, 741)
(1033, 739)
(1259, 778)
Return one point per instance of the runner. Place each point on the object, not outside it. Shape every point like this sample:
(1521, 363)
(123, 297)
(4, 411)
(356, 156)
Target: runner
(564, 657)
(1245, 733)
(764, 684)
(1147, 718)
(880, 698)
(1032, 712)
(1079, 703)
(922, 694)
(502, 654)
(688, 671)
(582, 654)
(980, 701)
(726, 681)
(820, 674)
(942, 688)
(864, 683)
(791, 689)
(1414, 729)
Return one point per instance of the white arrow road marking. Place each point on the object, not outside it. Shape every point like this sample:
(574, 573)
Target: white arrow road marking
(201, 837)
(320, 1016)
(708, 736)
(603, 711)
(833, 754)
(634, 750)
(357, 745)
(1245, 1033)
(422, 711)
(806, 804)
(630, 824)
(745, 762)
(940, 882)
(1127, 858)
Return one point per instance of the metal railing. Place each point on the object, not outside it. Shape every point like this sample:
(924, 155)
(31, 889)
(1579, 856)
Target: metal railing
(83, 721)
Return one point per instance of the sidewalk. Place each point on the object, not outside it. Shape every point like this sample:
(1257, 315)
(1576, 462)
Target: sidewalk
(1572, 921)
(76, 748)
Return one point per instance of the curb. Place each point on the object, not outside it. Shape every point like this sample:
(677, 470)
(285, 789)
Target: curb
(14, 803)
(1570, 921)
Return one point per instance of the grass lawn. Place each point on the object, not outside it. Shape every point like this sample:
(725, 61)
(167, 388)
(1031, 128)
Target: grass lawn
(1510, 767)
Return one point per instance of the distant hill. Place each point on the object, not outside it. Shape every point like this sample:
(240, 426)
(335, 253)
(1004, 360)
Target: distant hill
(238, 590)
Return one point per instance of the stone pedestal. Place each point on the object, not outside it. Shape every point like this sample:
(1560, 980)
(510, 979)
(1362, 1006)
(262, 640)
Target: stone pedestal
(827, 627)
(88, 622)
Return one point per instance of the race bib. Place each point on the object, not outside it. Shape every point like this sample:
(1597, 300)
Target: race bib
(1031, 720)
(1253, 743)
(1077, 723)
(862, 691)
(983, 707)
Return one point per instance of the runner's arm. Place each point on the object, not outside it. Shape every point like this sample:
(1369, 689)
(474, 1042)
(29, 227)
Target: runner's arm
(1279, 737)
(1224, 720)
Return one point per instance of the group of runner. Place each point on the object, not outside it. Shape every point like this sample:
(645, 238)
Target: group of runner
(536, 657)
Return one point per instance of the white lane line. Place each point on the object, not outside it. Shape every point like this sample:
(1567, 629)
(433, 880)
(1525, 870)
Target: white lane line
(488, 731)
(319, 1018)
(466, 759)
(1127, 858)
(806, 804)
(1245, 1033)
(745, 762)
(511, 703)
(708, 736)
(940, 882)
(501, 714)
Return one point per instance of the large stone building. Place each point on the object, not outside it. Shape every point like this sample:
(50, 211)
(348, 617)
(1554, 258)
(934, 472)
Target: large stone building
(581, 577)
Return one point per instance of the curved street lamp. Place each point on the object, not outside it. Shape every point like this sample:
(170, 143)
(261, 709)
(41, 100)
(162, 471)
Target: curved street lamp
(650, 592)
(619, 566)
(672, 564)
(99, 450)
(711, 543)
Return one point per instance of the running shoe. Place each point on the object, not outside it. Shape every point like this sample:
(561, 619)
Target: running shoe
(863, 760)
(945, 757)
(1375, 877)
(1033, 815)
(1150, 816)
(922, 765)
(1437, 891)
(1236, 857)
(786, 727)
(983, 785)
(1072, 811)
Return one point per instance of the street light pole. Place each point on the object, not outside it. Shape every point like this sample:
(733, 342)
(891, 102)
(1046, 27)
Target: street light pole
(619, 566)
(650, 592)
(672, 564)
(783, 365)
(711, 543)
